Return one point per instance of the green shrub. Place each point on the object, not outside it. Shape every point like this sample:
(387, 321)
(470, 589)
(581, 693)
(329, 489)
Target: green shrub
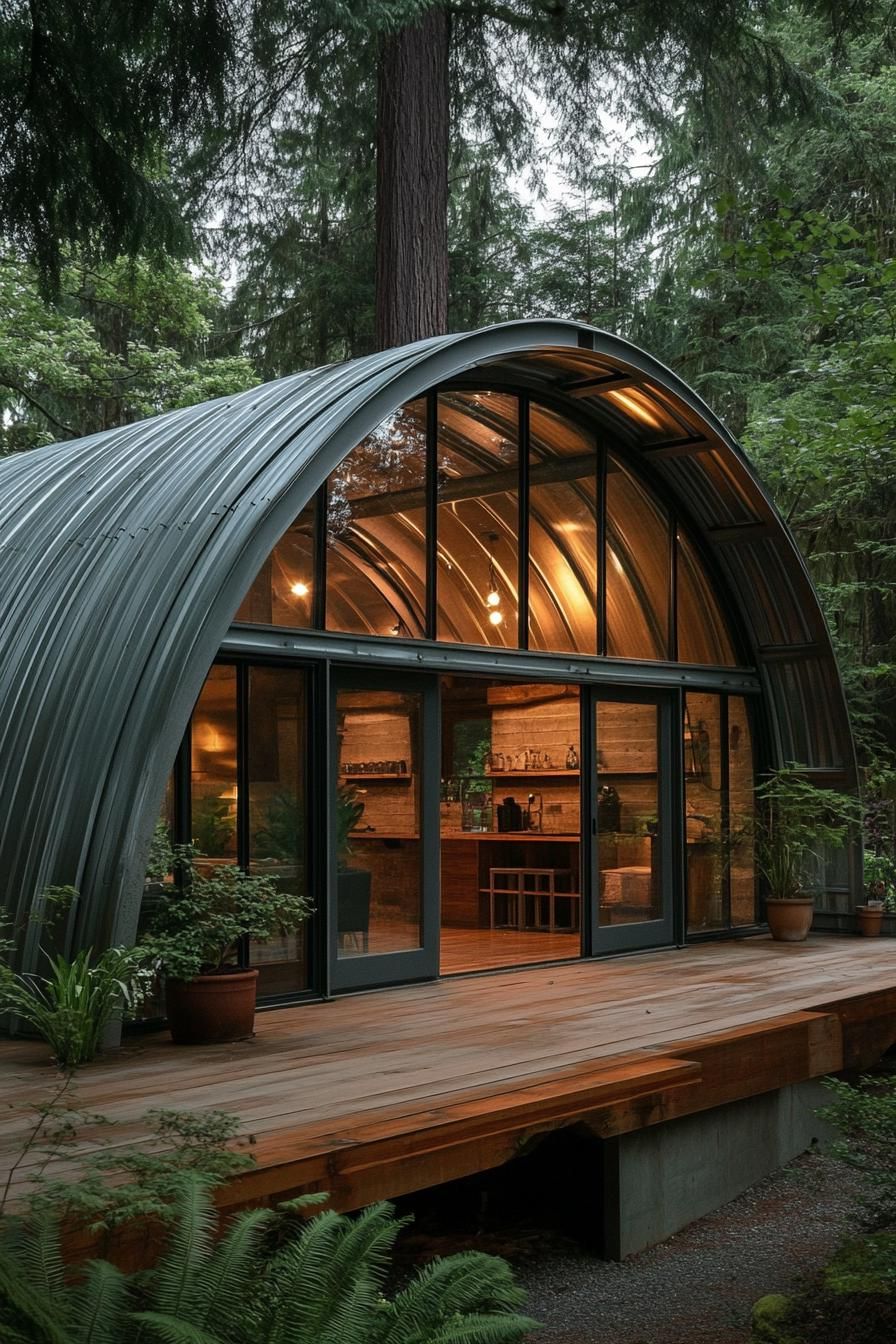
(201, 922)
(866, 1118)
(273, 1278)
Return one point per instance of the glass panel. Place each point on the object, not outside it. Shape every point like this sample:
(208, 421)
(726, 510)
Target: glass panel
(282, 591)
(278, 813)
(652, 419)
(376, 531)
(741, 783)
(379, 877)
(628, 820)
(638, 575)
(213, 775)
(702, 635)
(510, 824)
(562, 535)
(478, 522)
(707, 860)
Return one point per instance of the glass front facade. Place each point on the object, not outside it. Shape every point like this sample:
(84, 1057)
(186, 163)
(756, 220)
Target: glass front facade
(490, 519)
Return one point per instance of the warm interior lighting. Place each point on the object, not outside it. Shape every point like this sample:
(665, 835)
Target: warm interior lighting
(636, 404)
(496, 616)
(229, 795)
(299, 589)
(493, 594)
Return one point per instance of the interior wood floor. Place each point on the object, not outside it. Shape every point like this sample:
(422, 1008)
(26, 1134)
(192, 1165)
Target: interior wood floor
(464, 950)
(316, 1070)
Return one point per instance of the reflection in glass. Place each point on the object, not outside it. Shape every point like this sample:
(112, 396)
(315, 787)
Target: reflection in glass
(213, 777)
(376, 531)
(702, 634)
(706, 848)
(638, 569)
(628, 819)
(376, 815)
(478, 525)
(283, 589)
(563, 532)
(278, 812)
(742, 803)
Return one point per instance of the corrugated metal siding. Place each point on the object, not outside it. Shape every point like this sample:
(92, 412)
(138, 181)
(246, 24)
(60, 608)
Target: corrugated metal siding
(124, 556)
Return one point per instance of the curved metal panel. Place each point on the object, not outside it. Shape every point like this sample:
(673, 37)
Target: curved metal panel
(124, 556)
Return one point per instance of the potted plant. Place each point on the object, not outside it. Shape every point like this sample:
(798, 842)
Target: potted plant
(879, 873)
(797, 822)
(196, 936)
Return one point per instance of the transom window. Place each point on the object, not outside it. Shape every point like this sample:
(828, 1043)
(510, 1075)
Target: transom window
(487, 518)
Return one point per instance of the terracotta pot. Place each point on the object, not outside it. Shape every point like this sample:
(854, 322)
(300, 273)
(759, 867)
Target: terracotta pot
(789, 920)
(219, 1007)
(869, 921)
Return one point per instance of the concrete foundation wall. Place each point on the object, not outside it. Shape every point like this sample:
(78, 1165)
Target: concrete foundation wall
(660, 1179)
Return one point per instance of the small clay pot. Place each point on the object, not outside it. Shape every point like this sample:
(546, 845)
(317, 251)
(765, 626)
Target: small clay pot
(790, 919)
(869, 920)
(211, 1008)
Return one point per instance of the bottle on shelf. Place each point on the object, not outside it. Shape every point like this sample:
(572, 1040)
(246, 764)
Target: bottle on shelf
(572, 758)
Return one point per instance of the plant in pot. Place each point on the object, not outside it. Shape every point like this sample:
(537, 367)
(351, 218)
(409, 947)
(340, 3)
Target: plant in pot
(797, 823)
(196, 936)
(880, 883)
(352, 884)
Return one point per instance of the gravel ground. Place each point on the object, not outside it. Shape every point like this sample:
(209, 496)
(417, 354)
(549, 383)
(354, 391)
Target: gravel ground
(699, 1286)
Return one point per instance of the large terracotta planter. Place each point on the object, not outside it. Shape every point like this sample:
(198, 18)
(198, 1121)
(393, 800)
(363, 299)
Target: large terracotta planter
(211, 1008)
(790, 920)
(869, 920)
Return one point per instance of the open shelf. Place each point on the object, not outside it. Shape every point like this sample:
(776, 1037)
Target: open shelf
(539, 772)
(394, 779)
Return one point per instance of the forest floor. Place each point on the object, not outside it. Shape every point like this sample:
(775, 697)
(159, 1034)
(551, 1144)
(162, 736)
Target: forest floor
(696, 1288)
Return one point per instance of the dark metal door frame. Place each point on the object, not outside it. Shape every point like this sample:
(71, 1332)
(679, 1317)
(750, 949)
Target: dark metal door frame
(367, 971)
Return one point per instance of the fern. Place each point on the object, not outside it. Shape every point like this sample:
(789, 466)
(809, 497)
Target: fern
(42, 1254)
(24, 1313)
(176, 1279)
(171, 1329)
(448, 1293)
(97, 1304)
(323, 1284)
(230, 1276)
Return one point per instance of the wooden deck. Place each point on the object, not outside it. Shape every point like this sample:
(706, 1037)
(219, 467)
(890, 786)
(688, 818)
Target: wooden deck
(379, 1094)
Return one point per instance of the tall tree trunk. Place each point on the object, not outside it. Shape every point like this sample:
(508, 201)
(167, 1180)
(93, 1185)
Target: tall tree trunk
(412, 183)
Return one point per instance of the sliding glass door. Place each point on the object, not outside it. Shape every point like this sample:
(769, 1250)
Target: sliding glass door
(384, 830)
(632, 769)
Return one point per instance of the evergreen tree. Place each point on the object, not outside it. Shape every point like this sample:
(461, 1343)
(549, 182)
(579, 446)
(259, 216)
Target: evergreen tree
(90, 96)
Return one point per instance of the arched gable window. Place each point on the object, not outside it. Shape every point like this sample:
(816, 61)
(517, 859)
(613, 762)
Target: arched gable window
(483, 517)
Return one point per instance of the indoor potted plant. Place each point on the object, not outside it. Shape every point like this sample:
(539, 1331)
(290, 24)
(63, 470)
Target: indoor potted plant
(352, 884)
(796, 823)
(196, 936)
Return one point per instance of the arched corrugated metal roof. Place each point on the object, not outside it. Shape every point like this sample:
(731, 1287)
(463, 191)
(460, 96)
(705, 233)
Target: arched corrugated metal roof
(123, 557)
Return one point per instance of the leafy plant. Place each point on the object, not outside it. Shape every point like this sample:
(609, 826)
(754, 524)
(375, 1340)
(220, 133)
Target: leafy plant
(796, 823)
(199, 925)
(72, 1006)
(116, 1184)
(865, 1115)
(283, 834)
(212, 825)
(880, 878)
(273, 1276)
(349, 810)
